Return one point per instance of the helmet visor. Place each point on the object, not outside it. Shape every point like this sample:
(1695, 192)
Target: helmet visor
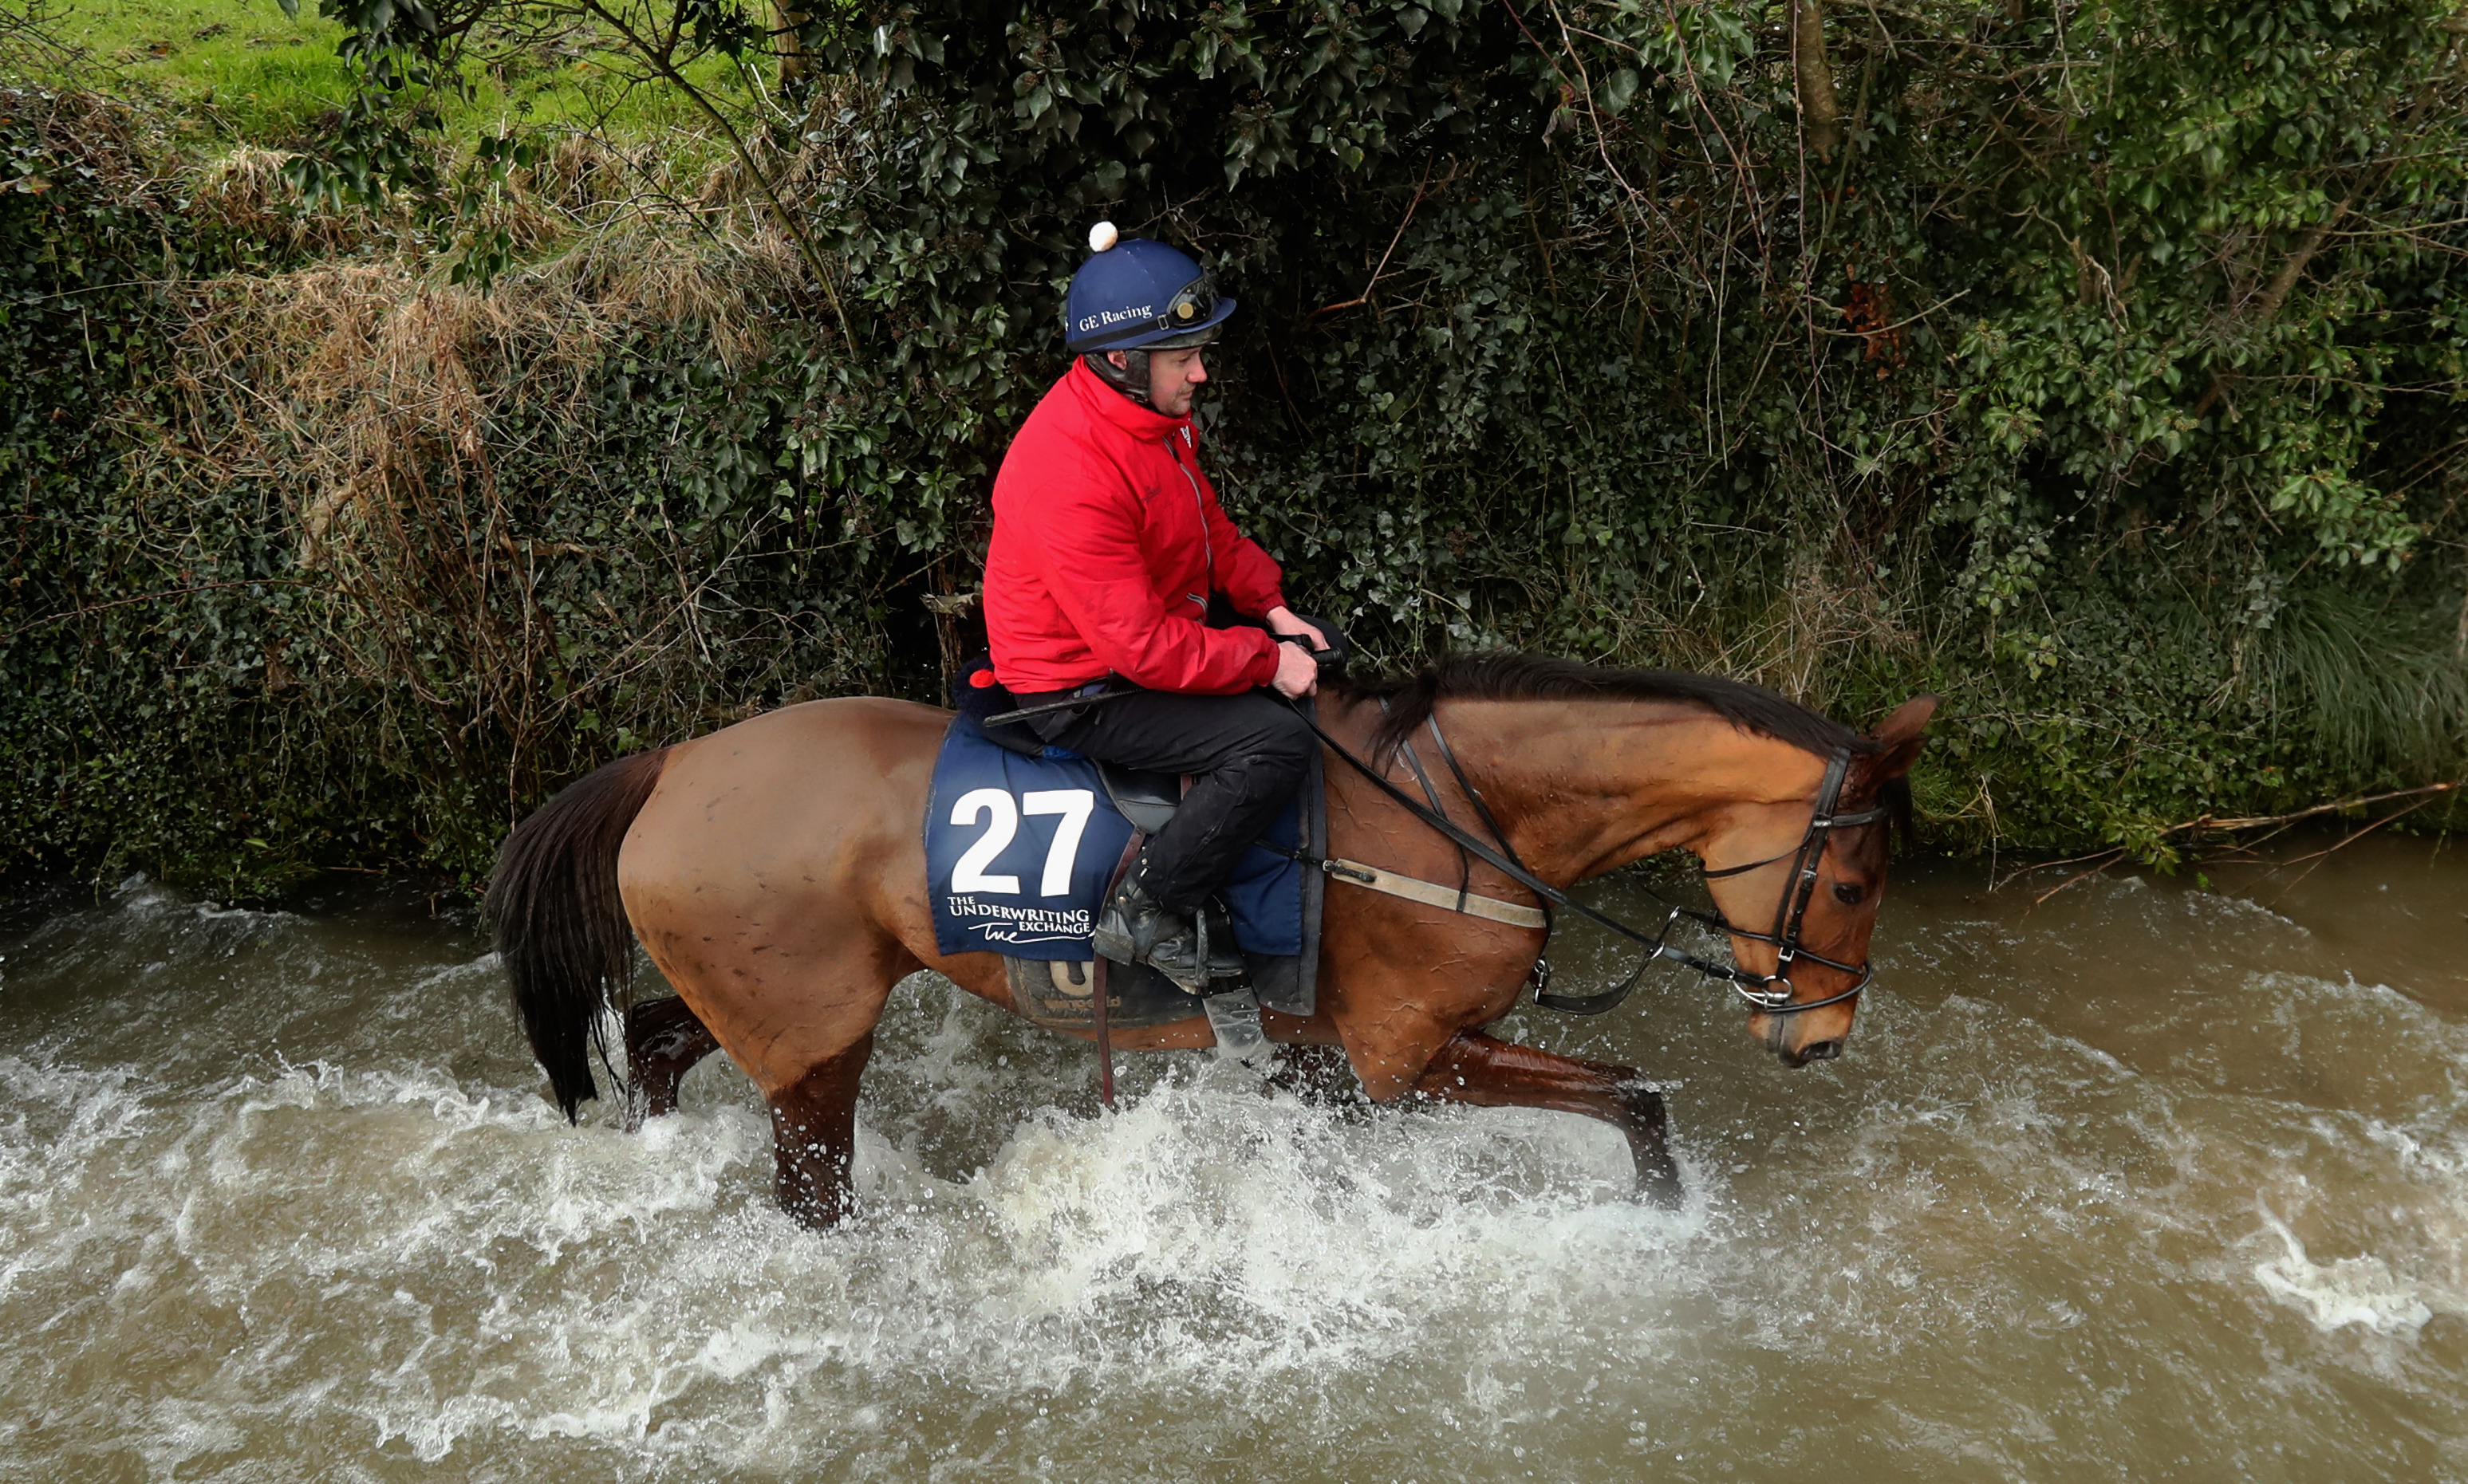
(1192, 304)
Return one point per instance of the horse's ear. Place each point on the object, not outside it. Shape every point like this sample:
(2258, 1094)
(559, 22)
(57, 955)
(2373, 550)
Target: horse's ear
(1903, 735)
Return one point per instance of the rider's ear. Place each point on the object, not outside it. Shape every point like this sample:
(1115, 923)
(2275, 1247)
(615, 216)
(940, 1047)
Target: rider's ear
(1903, 734)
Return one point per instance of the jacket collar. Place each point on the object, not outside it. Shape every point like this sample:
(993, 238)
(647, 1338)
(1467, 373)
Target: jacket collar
(1108, 405)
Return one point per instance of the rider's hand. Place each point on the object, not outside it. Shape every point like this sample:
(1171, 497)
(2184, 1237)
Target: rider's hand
(1297, 673)
(1283, 620)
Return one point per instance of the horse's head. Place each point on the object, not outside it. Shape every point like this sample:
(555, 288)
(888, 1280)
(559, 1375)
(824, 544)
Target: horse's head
(1830, 927)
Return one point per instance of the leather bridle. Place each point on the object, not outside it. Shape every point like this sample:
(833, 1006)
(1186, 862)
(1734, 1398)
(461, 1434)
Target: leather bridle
(1767, 994)
(1791, 910)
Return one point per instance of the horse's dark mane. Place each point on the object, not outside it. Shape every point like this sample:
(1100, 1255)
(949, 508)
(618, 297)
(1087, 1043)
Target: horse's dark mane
(1508, 675)
(1895, 794)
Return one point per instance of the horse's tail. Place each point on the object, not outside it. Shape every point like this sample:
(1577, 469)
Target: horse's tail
(560, 926)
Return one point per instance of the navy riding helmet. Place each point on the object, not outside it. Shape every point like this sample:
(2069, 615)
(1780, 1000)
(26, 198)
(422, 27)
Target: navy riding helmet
(1139, 295)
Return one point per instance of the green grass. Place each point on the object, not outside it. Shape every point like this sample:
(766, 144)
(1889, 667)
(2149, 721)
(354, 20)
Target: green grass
(247, 70)
(2381, 687)
(243, 71)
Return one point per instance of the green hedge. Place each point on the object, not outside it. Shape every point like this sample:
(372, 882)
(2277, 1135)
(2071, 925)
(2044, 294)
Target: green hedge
(2098, 368)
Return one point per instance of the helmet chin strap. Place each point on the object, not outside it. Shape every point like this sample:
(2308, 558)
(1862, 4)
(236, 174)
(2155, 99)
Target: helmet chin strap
(1130, 379)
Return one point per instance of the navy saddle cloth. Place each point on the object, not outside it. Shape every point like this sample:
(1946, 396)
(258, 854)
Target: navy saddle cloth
(1020, 849)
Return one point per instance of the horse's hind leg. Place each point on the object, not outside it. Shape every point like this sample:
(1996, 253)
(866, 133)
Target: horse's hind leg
(663, 1042)
(1474, 1069)
(813, 1130)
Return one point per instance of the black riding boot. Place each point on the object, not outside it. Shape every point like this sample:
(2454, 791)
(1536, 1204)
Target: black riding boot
(1137, 928)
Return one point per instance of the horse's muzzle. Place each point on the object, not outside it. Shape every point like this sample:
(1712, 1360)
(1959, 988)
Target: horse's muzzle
(1777, 1040)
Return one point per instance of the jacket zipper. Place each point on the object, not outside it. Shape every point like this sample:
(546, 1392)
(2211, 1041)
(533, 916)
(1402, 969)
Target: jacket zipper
(1199, 508)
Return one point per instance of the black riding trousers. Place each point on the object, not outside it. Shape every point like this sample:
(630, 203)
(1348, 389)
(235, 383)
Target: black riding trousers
(1248, 755)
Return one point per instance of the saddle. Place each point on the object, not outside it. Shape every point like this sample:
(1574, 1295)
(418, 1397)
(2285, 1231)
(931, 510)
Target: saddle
(1148, 800)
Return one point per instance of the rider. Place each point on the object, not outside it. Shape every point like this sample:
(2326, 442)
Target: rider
(1108, 543)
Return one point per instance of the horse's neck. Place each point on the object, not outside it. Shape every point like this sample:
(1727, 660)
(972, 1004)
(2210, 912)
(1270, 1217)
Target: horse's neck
(1584, 787)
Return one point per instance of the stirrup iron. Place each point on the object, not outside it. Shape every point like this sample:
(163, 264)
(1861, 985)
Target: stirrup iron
(1220, 955)
(1234, 1017)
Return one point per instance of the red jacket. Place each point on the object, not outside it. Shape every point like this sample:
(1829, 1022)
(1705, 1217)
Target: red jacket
(1107, 539)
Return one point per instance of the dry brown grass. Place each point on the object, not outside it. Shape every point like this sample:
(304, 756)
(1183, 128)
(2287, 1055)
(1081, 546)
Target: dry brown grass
(369, 384)
(379, 402)
(249, 191)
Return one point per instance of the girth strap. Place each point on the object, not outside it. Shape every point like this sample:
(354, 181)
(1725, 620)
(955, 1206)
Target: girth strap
(1515, 914)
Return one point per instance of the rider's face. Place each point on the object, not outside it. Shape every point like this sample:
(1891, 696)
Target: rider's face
(1173, 377)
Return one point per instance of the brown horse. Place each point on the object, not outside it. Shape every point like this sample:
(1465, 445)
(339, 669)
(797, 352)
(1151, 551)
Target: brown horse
(775, 871)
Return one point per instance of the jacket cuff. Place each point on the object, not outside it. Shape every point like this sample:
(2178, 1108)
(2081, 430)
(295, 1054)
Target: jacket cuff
(1264, 668)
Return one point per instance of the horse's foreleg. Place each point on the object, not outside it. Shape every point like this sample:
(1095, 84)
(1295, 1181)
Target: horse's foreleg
(1313, 1073)
(663, 1042)
(1474, 1069)
(814, 1128)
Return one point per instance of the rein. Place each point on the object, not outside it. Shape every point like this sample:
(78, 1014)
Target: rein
(1771, 994)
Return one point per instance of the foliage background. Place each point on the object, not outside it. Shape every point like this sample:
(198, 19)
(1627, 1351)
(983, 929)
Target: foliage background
(371, 471)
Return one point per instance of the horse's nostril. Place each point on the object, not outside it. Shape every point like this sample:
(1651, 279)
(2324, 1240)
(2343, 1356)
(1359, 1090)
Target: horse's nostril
(1823, 1051)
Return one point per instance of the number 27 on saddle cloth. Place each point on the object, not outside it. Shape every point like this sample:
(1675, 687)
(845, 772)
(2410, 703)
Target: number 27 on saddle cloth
(1021, 849)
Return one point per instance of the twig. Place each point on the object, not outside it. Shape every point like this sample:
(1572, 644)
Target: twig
(2258, 821)
(2087, 872)
(2049, 865)
(122, 603)
(1410, 207)
(2424, 794)
(2321, 856)
(1914, 319)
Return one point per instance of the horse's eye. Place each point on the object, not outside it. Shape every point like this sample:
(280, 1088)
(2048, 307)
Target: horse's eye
(1849, 892)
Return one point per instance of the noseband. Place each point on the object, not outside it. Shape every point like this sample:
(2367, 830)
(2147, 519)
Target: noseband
(1769, 994)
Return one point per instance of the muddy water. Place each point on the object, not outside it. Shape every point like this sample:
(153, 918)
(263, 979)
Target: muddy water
(2152, 1181)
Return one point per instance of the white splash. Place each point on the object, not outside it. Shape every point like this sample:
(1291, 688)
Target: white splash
(2359, 1290)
